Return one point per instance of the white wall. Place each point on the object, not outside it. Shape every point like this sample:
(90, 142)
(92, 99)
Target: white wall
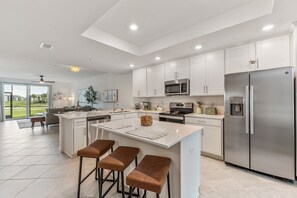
(66, 89)
(122, 82)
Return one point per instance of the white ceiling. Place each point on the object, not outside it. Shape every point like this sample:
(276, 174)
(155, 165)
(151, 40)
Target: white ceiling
(157, 19)
(27, 23)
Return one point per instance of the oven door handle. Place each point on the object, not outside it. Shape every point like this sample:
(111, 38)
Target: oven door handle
(171, 117)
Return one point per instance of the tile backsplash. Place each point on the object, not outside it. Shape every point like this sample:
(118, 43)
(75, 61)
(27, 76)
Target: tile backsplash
(216, 101)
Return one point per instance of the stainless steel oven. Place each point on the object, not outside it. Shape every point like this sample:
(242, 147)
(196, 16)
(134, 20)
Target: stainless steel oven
(177, 87)
(177, 112)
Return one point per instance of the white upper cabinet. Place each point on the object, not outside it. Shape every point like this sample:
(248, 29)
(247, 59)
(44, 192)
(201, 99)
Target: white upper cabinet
(238, 59)
(272, 53)
(179, 69)
(266, 54)
(207, 74)
(215, 73)
(197, 75)
(171, 70)
(155, 81)
(183, 69)
(139, 82)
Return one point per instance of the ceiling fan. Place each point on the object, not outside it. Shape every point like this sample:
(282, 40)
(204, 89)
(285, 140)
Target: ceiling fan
(41, 81)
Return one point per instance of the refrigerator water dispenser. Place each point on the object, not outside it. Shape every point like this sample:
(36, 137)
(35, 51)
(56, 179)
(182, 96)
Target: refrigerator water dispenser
(236, 104)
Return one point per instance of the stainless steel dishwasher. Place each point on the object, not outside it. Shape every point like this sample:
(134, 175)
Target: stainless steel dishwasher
(92, 133)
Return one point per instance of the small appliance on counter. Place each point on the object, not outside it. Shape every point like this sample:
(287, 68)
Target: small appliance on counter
(146, 106)
(210, 111)
(137, 106)
(160, 108)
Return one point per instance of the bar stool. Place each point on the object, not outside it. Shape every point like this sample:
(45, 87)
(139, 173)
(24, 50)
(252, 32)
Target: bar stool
(94, 150)
(118, 161)
(150, 175)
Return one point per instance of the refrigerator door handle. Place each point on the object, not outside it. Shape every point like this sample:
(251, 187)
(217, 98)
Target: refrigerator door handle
(252, 108)
(247, 109)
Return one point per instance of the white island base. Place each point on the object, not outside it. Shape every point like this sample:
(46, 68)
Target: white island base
(184, 153)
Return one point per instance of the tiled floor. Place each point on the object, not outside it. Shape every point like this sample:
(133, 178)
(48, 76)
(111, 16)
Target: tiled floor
(31, 166)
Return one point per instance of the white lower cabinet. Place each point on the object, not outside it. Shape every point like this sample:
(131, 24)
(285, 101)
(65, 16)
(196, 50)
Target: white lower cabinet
(75, 135)
(212, 135)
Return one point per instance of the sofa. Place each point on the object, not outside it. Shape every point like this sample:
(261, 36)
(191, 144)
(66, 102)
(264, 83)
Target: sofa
(50, 117)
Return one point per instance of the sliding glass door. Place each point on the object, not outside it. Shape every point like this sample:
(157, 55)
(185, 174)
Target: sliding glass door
(24, 101)
(38, 100)
(15, 101)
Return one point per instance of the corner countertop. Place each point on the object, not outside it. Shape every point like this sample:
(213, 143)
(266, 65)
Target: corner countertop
(196, 115)
(79, 114)
(175, 133)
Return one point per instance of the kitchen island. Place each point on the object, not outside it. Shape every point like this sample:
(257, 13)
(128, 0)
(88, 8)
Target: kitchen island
(75, 131)
(181, 143)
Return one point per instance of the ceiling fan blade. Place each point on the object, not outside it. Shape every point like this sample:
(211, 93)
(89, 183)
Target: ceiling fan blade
(48, 81)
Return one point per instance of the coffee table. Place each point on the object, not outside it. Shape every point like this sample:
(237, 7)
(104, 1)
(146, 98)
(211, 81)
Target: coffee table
(40, 119)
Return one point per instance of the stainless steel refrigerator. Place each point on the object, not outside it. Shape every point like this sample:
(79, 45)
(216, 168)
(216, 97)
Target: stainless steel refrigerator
(259, 121)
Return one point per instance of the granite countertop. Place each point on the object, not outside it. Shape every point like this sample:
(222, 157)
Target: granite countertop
(78, 114)
(174, 133)
(196, 115)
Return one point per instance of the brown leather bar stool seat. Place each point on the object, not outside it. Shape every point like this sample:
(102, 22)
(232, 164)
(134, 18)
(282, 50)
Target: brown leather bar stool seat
(94, 150)
(118, 161)
(150, 175)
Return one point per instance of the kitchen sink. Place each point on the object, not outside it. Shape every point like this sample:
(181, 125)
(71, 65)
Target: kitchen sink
(118, 111)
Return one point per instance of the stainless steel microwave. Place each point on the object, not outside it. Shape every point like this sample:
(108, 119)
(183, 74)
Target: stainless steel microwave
(177, 87)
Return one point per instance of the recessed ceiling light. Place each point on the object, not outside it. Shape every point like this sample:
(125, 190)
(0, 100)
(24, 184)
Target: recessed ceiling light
(131, 65)
(267, 27)
(157, 58)
(197, 47)
(133, 27)
(74, 69)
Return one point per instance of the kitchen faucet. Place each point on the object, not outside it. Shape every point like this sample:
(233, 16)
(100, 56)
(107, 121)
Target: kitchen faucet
(115, 103)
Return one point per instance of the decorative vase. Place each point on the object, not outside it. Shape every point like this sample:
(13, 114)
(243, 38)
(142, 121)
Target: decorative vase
(199, 110)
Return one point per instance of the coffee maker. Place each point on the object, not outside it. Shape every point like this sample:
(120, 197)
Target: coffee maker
(146, 106)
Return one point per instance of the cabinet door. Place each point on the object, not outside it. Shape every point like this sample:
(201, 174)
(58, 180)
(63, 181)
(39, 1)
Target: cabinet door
(79, 138)
(215, 73)
(155, 81)
(171, 70)
(212, 140)
(183, 69)
(273, 53)
(197, 75)
(139, 82)
(238, 58)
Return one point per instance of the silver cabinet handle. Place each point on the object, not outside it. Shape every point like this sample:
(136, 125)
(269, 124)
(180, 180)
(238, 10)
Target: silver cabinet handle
(203, 89)
(206, 89)
(252, 108)
(257, 63)
(247, 114)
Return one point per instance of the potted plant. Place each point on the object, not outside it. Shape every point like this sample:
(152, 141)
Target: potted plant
(199, 108)
(91, 96)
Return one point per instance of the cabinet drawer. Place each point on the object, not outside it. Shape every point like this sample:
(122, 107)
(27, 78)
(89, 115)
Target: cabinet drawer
(118, 117)
(79, 122)
(131, 115)
(203, 121)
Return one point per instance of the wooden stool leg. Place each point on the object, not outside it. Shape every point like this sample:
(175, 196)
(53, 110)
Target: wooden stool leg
(168, 185)
(79, 177)
(32, 126)
(157, 195)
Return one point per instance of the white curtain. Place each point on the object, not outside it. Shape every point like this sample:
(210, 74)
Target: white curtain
(1, 102)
